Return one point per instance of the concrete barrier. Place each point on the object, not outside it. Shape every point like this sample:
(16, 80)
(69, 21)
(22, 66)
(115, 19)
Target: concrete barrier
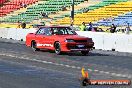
(109, 41)
(129, 44)
(12, 33)
(21, 33)
(104, 41)
(124, 43)
(96, 36)
(16, 34)
(4, 32)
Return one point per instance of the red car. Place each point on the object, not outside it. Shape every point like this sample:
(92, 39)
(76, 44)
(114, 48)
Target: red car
(59, 39)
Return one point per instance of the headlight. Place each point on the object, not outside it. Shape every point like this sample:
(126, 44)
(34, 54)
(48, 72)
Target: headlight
(69, 40)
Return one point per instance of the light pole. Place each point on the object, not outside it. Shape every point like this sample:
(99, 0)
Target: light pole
(72, 13)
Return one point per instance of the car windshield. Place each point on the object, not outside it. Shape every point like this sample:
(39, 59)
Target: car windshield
(63, 31)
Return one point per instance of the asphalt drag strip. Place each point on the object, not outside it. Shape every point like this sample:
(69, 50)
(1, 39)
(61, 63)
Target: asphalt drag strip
(18, 75)
(37, 69)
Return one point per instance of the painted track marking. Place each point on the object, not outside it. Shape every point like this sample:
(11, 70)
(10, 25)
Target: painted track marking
(74, 67)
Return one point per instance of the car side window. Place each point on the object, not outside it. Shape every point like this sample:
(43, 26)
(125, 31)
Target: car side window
(40, 32)
(48, 31)
(63, 31)
(68, 31)
(44, 31)
(55, 31)
(58, 31)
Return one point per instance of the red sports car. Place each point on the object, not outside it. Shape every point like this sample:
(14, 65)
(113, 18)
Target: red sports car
(59, 39)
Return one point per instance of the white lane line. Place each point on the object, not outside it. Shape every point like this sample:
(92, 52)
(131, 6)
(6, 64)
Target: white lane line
(46, 62)
(73, 66)
(107, 72)
(78, 67)
(90, 70)
(57, 64)
(101, 71)
(113, 73)
(118, 75)
(129, 76)
(30, 70)
(96, 70)
(68, 66)
(61, 64)
(124, 75)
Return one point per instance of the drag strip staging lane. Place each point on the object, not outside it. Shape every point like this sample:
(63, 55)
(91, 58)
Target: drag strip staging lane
(100, 66)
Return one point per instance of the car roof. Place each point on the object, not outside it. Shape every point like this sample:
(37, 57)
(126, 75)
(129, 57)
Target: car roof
(52, 26)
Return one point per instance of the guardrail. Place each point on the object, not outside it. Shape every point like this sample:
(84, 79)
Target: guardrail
(104, 41)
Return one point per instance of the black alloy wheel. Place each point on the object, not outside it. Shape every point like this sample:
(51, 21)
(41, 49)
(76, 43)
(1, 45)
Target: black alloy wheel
(57, 48)
(34, 46)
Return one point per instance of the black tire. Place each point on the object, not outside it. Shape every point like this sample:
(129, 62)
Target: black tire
(57, 48)
(34, 46)
(85, 52)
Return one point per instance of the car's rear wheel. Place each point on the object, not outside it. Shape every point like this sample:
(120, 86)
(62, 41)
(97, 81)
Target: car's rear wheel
(85, 52)
(57, 48)
(34, 46)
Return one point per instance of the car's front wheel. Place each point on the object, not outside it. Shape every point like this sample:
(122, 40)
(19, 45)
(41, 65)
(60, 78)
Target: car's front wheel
(57, 48)
(85, 52)
(34, 46)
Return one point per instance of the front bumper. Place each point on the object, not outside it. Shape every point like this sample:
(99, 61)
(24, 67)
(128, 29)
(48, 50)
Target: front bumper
(78, 46)
(79, 49)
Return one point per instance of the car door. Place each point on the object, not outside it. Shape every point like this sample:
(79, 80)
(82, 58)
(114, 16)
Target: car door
(49, 39)
(40, 38)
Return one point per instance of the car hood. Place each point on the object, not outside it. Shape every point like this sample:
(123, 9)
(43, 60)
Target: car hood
(75, 37)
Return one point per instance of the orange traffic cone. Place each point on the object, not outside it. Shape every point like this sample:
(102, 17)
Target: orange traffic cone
(84, 73)
(85, 77)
